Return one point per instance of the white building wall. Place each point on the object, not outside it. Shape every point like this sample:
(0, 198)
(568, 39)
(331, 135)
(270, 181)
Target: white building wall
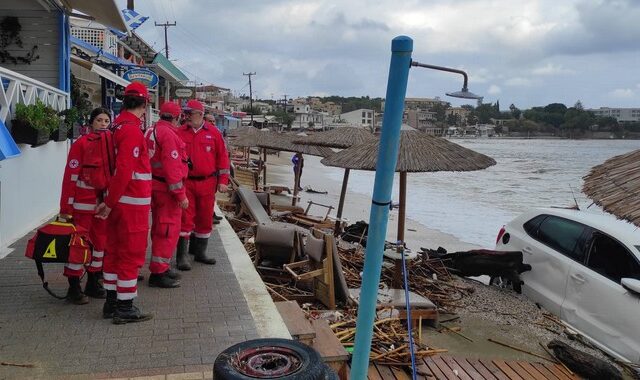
(30, 186)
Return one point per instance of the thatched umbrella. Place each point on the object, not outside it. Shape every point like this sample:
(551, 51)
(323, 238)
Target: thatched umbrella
(341, 138)
(284, 142)
(615, 186)
(418, 153)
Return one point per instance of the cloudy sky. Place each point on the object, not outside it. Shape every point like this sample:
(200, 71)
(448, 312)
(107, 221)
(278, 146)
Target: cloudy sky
(527, 52)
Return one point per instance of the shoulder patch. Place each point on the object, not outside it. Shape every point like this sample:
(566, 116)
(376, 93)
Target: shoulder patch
(174, 154)
(136, 152)
(208, 136)
(74, 163)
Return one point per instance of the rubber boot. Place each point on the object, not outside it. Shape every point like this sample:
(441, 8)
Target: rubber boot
(193, 244)
(182, 258)
(162, 280)
(216, 217)
(109, 307)
(94, 288)
(201, 252)
(74, 293)
(127, 313)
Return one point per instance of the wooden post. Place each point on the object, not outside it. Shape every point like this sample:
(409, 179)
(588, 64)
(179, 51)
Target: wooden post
(248, 157)
(264, 168)
(397, 275)
(337, 229)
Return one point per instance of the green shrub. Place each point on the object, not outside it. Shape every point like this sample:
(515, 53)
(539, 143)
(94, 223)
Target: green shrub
(39, 116)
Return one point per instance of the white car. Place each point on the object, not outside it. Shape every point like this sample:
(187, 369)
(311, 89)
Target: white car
(585, 269)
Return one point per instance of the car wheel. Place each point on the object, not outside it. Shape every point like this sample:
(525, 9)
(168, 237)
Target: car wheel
(269, 359)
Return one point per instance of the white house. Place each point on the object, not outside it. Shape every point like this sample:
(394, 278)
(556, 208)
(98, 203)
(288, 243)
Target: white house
(361, 117)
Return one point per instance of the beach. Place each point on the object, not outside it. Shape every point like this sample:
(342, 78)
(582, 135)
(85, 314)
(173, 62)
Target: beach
(357, 205)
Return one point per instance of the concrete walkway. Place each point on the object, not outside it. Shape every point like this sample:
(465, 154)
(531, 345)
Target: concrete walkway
(216, 307)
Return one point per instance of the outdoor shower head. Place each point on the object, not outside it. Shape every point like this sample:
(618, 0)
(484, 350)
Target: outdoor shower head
(464, 94)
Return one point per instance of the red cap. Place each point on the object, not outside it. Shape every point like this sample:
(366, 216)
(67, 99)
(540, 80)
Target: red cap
(194, 105)
(170, 108)
(137, 89)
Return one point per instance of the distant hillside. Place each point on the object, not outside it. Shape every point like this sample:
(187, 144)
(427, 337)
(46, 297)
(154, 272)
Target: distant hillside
(353, 103)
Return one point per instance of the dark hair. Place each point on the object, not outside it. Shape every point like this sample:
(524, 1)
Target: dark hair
(167, 117)
(99, 111)
(132, 102)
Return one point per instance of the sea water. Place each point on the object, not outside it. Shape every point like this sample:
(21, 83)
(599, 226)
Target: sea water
(473, 206)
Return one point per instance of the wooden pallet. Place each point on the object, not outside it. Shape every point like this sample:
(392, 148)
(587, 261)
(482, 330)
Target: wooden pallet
(442, 367)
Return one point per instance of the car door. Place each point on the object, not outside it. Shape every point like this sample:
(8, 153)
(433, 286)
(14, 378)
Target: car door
(551, 251)
(597, 305)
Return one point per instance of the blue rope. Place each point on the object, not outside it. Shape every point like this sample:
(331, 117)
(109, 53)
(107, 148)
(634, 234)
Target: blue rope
(408, 304)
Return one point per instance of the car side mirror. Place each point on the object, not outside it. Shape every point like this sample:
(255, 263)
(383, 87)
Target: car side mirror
(632, 285)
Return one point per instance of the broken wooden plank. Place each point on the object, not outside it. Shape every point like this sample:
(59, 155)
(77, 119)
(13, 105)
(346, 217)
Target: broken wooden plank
(296, 321)
(326, 342)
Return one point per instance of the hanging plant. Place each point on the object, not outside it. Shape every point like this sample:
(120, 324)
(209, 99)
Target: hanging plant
(10, 35)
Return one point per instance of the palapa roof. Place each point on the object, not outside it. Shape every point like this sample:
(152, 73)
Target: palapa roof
(615, 186)
(419, 152)
(341, 137)
(284, 142)
(245, 136)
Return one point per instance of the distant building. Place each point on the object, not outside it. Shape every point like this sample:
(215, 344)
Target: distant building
(361, 117)
(420, 103)
(460, 113)
(623, 115)
(419, 119)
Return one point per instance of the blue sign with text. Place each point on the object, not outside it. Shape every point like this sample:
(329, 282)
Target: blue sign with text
(144, 76)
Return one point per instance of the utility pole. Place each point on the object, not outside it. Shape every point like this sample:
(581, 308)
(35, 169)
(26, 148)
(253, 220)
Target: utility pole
(250, 95)
(166, 42)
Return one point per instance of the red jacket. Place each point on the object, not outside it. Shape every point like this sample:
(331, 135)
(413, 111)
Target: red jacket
(205, 148)
(130, 186)
(76, 195)
(168, 159)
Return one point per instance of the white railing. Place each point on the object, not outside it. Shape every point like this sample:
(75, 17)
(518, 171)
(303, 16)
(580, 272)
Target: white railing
(16, 88)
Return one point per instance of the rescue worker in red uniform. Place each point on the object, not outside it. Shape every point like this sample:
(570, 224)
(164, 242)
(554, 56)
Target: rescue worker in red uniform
(78, 203)
(169, 198)
(208, 173)
(127, 205)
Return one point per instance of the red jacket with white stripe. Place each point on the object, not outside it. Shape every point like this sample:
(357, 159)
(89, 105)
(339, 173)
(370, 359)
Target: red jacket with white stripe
(76, 197)
(130, 185)
(206, 149)
(168, 159)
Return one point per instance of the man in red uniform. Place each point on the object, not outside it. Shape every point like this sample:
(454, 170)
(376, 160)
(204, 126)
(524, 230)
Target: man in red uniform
(78, 201)
(169, 198)
(208, 173)
(127, 205)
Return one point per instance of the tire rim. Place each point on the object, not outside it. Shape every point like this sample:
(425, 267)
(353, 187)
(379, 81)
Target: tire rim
(267, 362)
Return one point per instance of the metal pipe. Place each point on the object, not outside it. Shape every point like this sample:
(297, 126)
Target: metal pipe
(401, 49)
(442, 68)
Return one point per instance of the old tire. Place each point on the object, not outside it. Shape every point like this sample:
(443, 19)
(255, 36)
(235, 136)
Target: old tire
(269, 359)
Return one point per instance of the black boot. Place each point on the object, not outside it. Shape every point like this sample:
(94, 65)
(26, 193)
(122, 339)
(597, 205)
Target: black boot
(193, 244)
(162, 280)
(127, 313)
(182, 258)
(74, 293)
(94, 288)
(109, 307)
(173, 274)
(201, 252)
(216, 217)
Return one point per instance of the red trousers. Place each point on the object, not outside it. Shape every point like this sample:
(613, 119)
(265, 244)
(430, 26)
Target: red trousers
(127, 233)
(198, 217)
(98, 234)
(165, 229)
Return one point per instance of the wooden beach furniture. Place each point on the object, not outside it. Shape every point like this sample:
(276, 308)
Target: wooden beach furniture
(247, 177)
(421, 307)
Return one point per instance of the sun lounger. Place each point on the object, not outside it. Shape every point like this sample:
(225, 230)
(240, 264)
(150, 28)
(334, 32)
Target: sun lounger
(246, 177)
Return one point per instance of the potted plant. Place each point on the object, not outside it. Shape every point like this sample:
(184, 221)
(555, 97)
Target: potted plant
(34, 123)
(71, 124)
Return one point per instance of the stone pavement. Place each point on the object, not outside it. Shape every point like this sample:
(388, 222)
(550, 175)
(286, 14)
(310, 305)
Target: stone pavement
(192, 324)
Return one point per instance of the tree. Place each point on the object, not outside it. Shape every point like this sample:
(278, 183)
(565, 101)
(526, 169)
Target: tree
(452, 119)
(485, 112)
(578, 105)
(515, 111)
(251, 111)
(441, 111)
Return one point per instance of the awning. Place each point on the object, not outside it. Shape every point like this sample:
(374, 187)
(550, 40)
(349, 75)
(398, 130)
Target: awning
(168, 69)
(231, 118)
(87, 47)
(106, 74)
(105, 12)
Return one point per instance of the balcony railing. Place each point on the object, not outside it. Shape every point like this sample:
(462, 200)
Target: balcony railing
(19, 89)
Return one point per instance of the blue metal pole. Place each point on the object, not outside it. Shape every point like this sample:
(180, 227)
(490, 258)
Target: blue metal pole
(401, 48)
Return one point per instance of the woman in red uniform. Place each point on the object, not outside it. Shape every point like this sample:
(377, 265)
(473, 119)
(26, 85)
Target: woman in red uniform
(78, 203)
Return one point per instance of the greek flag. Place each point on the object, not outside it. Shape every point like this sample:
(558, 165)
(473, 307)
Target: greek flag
(133, 18)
